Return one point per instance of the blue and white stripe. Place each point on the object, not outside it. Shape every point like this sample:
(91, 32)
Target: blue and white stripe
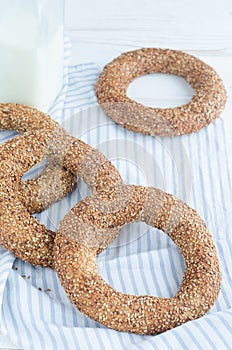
(35, 311)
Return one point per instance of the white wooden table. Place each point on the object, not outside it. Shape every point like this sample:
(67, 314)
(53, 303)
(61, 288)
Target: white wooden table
(101, 30)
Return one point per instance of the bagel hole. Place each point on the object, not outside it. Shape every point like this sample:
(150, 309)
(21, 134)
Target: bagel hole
(35, 171)
(52, 216)
(148, 255)
(7, 135)
(160, 90)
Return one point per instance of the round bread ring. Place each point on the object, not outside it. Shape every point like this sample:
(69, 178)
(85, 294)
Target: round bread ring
(206, 105)
(21, 233)
(59, 181)
(75, 263)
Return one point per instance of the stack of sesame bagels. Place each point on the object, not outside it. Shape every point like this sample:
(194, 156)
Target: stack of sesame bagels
(93, 223)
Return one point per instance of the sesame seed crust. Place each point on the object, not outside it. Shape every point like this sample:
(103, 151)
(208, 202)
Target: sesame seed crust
(58, 181)
(21, 233)
(77, 243)
(206, 105)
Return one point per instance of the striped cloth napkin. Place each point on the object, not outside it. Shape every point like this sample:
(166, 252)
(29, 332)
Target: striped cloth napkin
(35, 312)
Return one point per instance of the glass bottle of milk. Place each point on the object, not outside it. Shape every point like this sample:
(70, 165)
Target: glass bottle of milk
(31, 51)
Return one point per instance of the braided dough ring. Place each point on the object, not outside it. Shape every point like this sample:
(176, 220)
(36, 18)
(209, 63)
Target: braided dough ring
(206, 105)
(75, 263)
(21, 233)
(57, 180)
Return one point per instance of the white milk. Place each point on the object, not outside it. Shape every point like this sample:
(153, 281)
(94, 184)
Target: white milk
(31, 68)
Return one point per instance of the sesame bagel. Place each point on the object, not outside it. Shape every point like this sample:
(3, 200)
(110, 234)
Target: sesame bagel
(77, 243)
(206, 105)
(20, 232)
